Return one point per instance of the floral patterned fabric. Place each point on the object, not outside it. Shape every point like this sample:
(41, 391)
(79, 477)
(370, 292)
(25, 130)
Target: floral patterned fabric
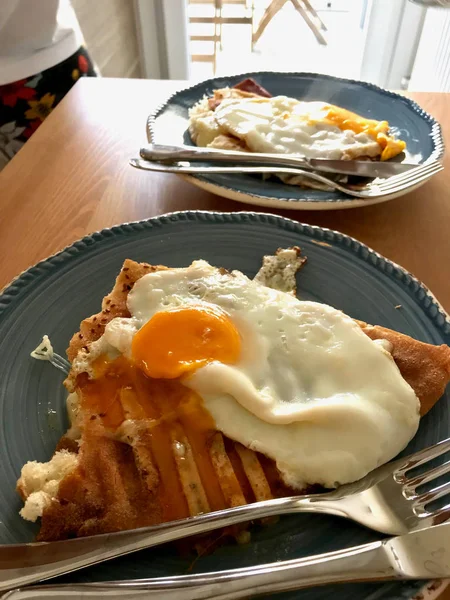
(26, 103)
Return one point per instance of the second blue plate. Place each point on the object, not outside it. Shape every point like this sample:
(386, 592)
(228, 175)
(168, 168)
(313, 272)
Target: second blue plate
(421, 132)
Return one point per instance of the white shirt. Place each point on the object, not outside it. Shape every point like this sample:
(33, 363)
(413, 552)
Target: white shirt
(35, 35)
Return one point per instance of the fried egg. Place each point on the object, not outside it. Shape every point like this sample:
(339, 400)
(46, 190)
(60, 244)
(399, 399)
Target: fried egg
(298, 381)
(312, 129)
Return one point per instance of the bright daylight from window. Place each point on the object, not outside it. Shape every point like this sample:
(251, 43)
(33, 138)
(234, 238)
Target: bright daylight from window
(393, 43)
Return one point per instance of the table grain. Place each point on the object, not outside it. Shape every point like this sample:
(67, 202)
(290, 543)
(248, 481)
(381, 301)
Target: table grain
(72, 178)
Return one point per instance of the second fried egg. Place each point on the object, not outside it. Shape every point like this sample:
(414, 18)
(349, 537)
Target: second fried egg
(312, 129)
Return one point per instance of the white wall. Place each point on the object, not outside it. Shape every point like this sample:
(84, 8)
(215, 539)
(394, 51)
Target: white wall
(163, 38)
(431, 70)
(393, 33)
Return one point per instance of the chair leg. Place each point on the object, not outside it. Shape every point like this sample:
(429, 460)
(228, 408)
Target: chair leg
(310, 9)
(220, 29)
(217, 28)
(252, 9)
(274, 7)
(316, 31)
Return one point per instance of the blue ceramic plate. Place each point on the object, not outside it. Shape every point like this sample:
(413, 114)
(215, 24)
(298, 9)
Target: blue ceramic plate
(421, 132)
(55, 295)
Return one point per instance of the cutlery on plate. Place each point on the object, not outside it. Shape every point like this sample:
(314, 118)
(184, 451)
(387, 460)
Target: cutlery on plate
(393, 185)
(388, 500)
(361, 168)
(419, 555)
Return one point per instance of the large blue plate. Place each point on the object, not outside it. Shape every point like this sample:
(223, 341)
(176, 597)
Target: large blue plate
(53, 296)
(421, 132)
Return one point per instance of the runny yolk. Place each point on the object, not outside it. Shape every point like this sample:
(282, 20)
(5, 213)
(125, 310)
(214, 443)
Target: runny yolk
(176, 342)
(345, 119)
(164, 415)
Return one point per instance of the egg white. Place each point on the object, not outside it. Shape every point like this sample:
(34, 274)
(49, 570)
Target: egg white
(284, 125)
(310, 389)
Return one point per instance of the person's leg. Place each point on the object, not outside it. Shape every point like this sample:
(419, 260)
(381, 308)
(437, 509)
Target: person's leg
(25, 104)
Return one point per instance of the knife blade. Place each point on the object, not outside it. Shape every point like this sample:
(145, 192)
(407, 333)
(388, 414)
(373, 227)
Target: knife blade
(359, 168)
(423, 554)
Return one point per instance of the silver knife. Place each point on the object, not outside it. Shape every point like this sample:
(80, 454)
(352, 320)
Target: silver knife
(360, 168)
(423, 554)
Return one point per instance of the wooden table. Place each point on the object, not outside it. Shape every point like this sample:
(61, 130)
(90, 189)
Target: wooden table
(72, 178)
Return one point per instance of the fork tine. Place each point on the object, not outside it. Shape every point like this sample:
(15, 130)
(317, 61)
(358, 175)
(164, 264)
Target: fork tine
(414, 482)
(60, 363)
(441, 515)
(427, 170)
(65, 370)
(58, 357)
(397, 179)
(434, 494)
(409, 184)
(423, 456)
(389, 188)
(411, 176)
(413, 182)
(412, 172)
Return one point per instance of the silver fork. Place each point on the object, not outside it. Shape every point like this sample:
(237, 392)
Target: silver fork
(388, 500)
(378, 188)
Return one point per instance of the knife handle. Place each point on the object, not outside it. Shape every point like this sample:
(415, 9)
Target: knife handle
(361, 563)
(160, 152)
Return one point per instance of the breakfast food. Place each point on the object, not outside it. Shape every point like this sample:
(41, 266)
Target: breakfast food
(197, 389)
(246, 118)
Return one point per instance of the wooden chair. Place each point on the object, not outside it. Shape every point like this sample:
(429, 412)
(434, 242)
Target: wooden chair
(217, 20)
(304, 8)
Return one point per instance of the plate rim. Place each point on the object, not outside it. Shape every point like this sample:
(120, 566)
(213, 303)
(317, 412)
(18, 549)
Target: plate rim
(292, 203)
(433, 588)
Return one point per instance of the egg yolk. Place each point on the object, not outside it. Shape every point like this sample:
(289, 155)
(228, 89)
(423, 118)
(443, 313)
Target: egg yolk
(176, 342)
(379, 130)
